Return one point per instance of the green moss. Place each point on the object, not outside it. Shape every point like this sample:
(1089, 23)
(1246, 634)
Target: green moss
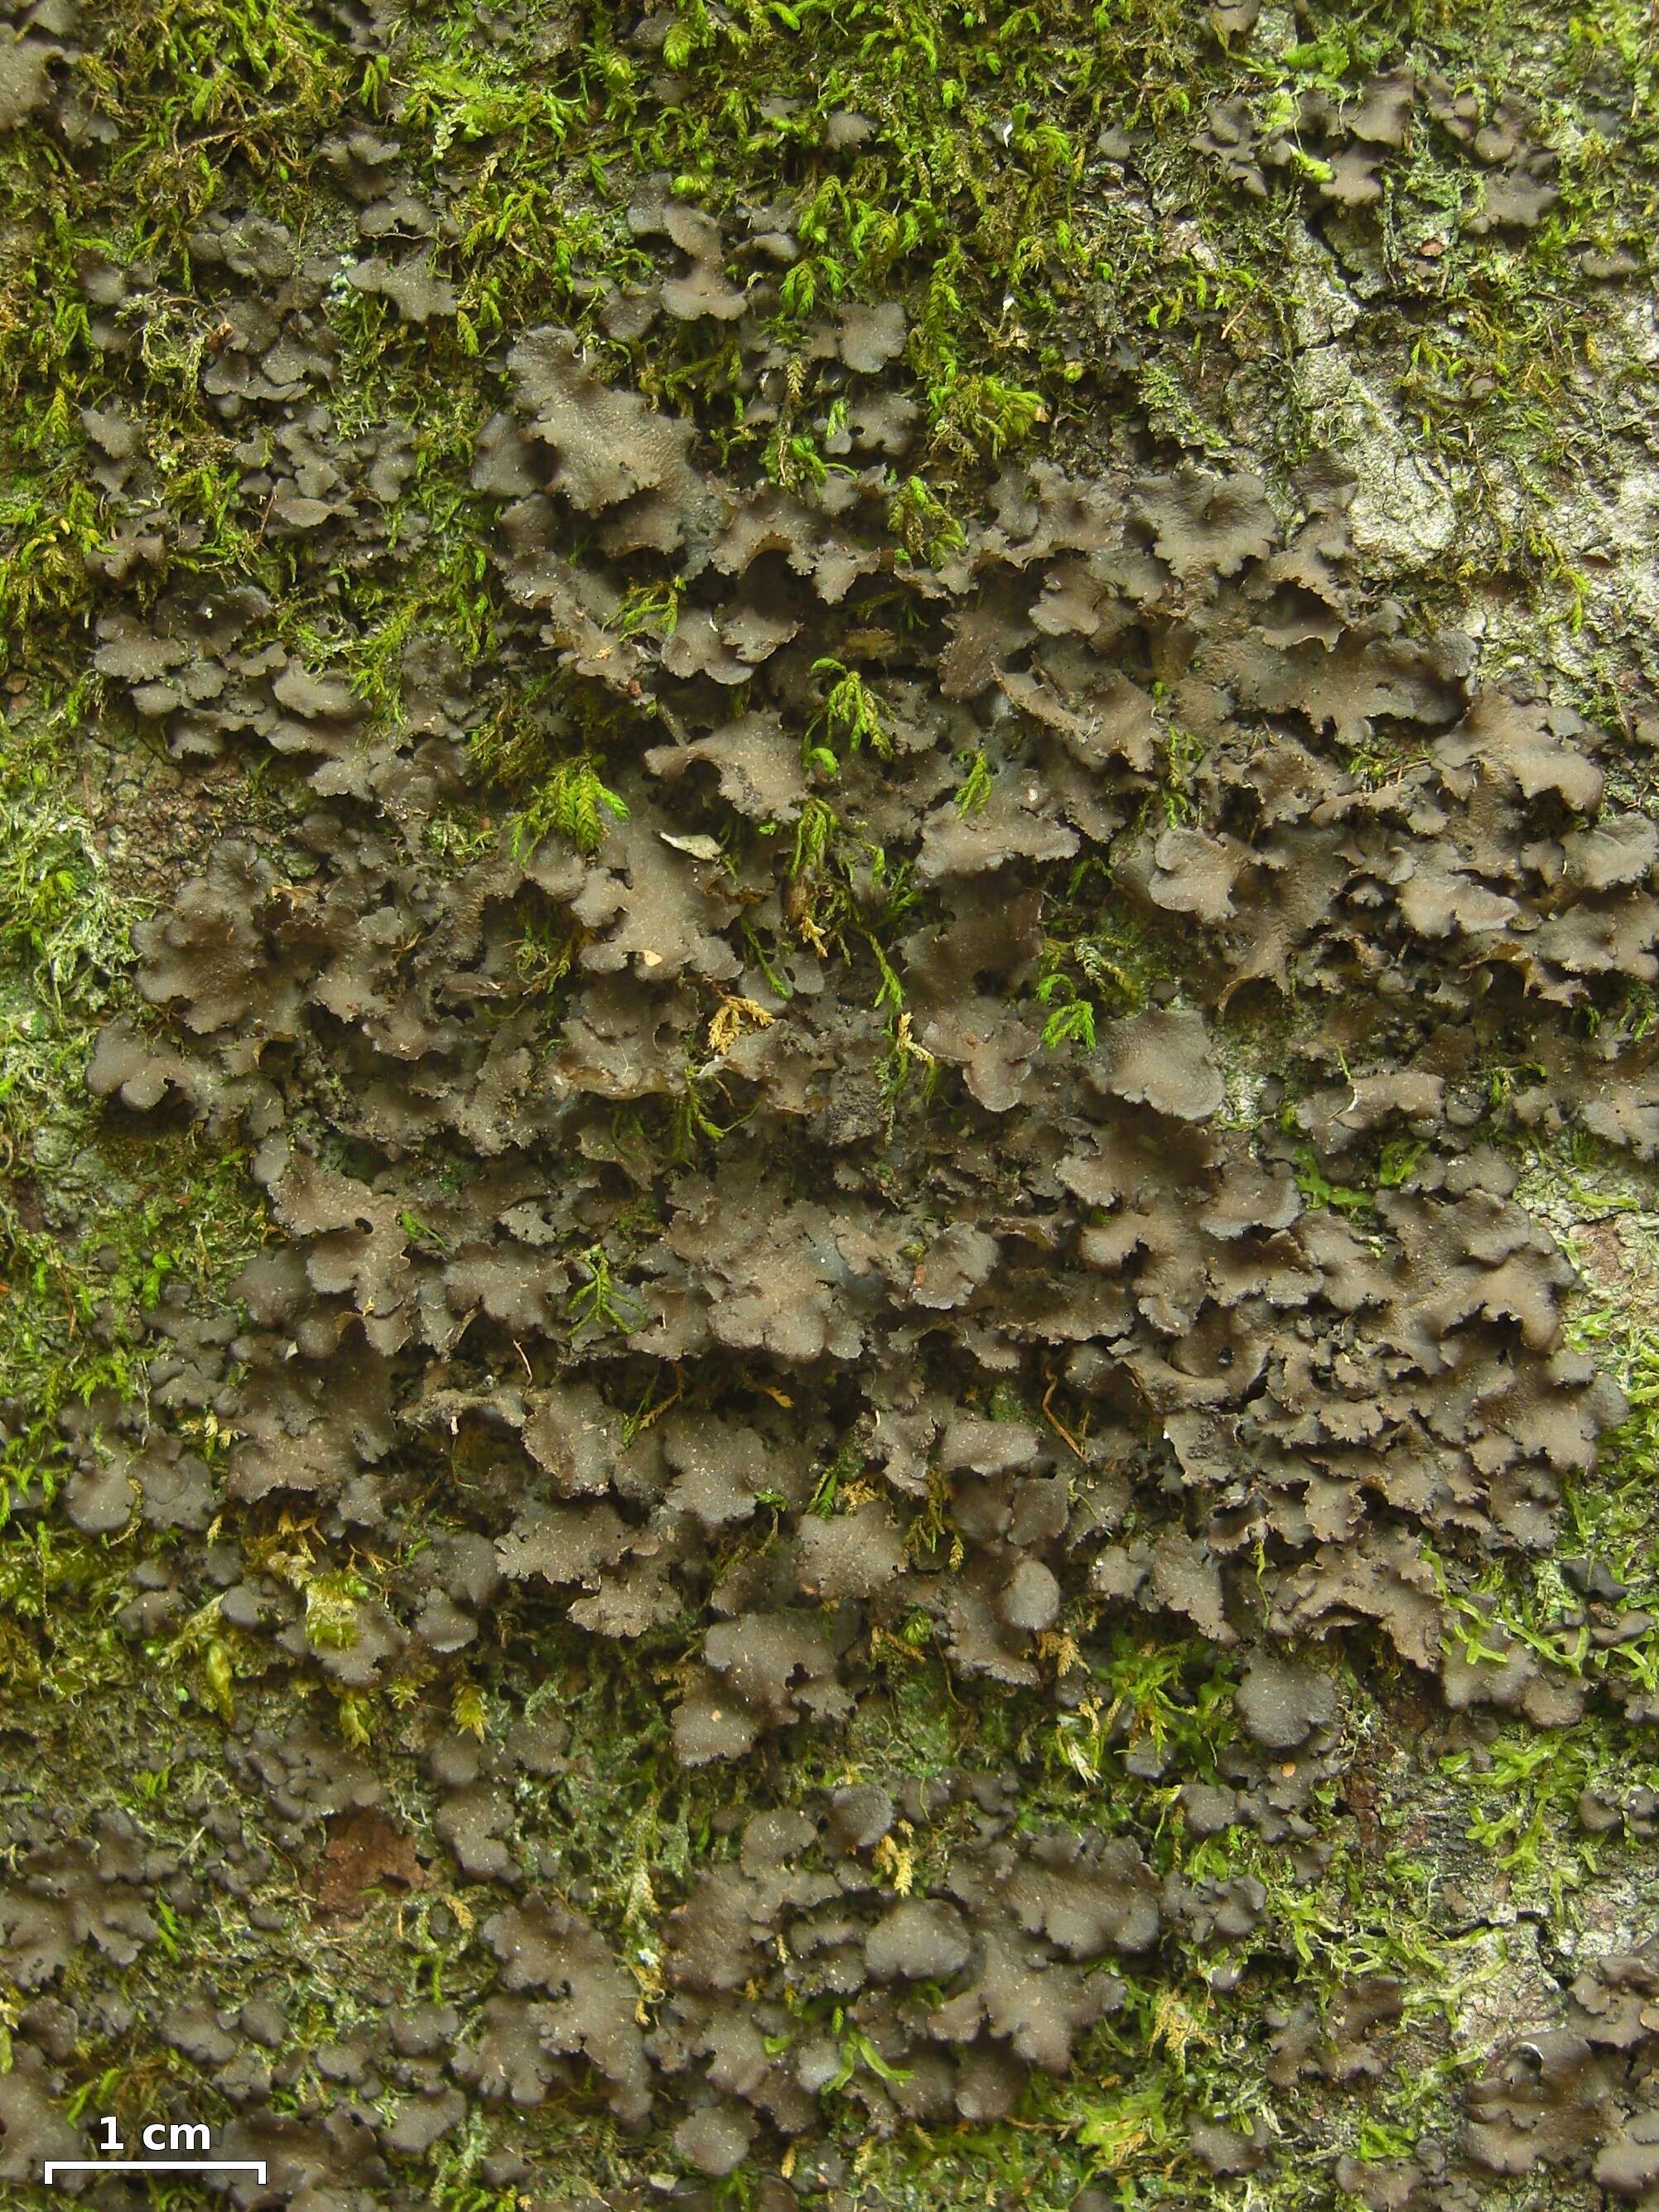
(1101, 959)
(256, 82)
(97, 1230)
(58, 1642)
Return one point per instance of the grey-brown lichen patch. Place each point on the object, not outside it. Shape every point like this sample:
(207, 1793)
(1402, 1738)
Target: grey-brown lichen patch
(891, 1061)
(1293, 1396)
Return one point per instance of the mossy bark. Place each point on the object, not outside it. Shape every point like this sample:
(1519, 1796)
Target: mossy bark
(1131, 236)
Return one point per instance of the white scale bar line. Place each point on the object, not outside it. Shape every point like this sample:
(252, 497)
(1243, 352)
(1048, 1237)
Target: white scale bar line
(253, 2166)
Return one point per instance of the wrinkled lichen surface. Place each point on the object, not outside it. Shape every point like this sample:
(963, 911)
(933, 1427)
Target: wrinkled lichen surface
(828, 1103)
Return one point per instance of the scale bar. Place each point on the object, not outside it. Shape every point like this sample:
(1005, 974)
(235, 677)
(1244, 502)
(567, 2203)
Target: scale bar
(253, 2166)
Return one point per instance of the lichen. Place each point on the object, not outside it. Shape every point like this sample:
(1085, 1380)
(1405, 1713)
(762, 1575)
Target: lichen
(773, 762)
